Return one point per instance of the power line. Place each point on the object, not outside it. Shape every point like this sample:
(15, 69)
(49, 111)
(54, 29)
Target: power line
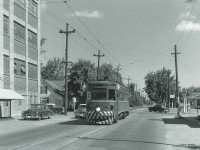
(189, 33)
(186, 23)
(89, 30)
(144, 58)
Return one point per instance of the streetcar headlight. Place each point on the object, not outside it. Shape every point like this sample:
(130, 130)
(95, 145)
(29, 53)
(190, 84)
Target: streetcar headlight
(98, 109)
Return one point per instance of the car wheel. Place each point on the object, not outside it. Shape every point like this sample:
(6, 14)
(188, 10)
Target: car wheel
(40, 117)
(115, 119)
(24, 118)
(49, 116)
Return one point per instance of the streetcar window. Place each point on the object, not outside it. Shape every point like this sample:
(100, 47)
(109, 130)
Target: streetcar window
(111, 95)
(98, 94)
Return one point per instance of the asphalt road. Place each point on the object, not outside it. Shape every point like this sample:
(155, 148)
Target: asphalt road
(141, 130)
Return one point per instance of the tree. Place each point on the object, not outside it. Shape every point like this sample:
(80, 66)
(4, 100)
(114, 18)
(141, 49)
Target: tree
(109, 73)
(54, 69)
(80, 73)
(85, 69)
(156, 84)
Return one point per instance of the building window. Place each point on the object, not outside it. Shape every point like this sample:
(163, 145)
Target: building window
(32, 8)
(32, 71)
(23, 69)
(6, 63)
(6, 25)
(32, 39)
(15, 68)
(19, 32)
(19, 68)
(43, 90)
(35, 100)
(6, 4)
(20, 3)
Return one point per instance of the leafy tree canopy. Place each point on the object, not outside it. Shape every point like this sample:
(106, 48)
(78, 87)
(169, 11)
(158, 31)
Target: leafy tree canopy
(156, 84)
(54, 69)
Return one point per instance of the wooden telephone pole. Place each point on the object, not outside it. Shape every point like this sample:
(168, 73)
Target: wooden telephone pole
(128, 80)
(177, 89)
(98, 63)
(66, 66)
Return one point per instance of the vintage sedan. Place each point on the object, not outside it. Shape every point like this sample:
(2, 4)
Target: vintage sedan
(159, 108)
(38, 111)
(81, 111)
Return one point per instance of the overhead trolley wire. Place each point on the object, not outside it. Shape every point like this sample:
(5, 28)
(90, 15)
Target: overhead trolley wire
(189, 33)
(89, 30)
(186, 22)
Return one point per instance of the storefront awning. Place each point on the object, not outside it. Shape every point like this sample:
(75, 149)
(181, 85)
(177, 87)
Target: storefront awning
(7, 94)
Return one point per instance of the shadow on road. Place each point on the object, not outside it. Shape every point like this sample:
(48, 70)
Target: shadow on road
(32, 119)
(189, 146)
(155, 119)
(75, 122)
(190, 121)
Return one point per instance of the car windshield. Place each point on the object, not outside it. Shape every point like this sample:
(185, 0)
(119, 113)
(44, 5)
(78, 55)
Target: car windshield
(82, 106)
(98, 94)
(36, 106)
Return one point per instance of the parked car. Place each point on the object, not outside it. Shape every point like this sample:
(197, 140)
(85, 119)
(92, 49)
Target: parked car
(55, 108)
(159, 108)
(51, 105)
(38, 111)
(81, 111)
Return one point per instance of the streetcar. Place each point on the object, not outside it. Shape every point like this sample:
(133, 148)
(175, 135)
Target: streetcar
(106, 102)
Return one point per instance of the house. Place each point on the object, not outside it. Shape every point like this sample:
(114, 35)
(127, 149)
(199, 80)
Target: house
(53, 92)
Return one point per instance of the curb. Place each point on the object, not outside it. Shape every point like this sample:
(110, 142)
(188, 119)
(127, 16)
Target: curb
(6, 118)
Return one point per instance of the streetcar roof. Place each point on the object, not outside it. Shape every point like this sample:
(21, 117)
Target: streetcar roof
(105, 83)
(102, 83)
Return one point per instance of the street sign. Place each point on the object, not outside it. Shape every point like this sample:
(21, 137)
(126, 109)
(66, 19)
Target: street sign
(172, 96)
(74, 99)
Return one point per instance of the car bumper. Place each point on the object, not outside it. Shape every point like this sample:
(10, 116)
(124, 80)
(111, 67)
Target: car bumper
(80, 115)
(29, 116)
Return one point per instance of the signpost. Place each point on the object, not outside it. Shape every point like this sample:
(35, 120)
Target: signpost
(74, 101)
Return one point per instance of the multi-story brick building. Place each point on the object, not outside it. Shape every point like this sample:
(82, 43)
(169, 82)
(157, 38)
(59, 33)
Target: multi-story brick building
(20, 51)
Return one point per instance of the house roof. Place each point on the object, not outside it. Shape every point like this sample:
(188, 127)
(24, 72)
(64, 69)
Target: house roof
(7, 94)
(56, 84)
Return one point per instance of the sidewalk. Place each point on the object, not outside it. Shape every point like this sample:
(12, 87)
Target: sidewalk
(190, 116)
(17, 124)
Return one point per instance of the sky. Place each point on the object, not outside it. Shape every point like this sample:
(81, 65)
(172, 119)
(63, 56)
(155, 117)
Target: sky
(140, 35)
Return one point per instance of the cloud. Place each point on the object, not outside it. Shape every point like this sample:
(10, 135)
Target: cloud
(186, 15)
(187, 26)
(89, 14)
(190, 1)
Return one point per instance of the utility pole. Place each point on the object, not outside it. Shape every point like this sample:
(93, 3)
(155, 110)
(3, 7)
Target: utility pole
(177, 89)
(136, 90)
(168, 87)
(66, 66)
(118, 68)
(98, 63)
(128, 80)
